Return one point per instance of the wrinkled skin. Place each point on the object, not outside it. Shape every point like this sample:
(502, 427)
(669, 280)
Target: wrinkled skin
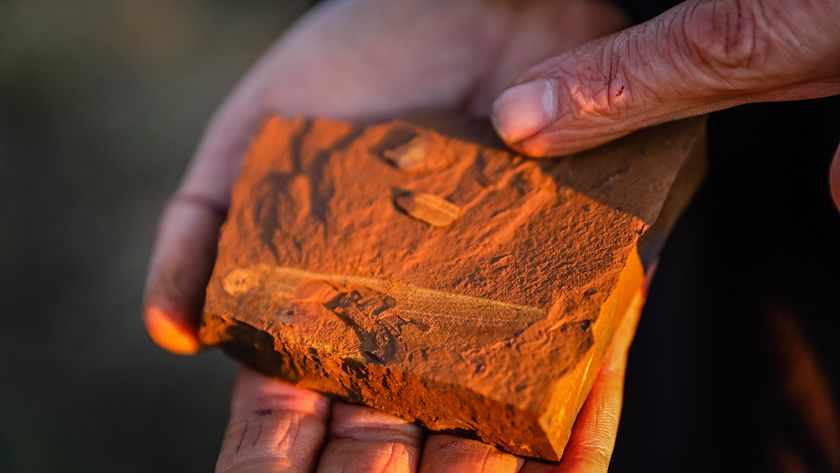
(367, 60)
(699, 57)
(696, 58)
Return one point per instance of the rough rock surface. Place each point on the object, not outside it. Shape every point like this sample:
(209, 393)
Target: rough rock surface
(437, 275)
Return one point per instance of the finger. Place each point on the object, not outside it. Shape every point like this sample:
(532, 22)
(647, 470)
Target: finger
(834, 178)
(445, 453)
(185, 246)
(700, 56)
(362, 439)
(180, 267)
(274, 426)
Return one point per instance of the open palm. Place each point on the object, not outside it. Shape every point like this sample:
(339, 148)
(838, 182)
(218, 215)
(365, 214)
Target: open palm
(366, 60)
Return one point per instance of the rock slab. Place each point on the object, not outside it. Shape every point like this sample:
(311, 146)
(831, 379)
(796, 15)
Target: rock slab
(425, 270)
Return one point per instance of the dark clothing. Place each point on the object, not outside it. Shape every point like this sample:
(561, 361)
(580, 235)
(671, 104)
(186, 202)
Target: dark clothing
(643, 10)
(735, 366)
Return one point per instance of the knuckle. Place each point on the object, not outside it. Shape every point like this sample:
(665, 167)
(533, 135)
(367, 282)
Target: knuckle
(723, 37)
(597, 453)
(261, 440)
(612, 89)
(405, 435)
(600, 90)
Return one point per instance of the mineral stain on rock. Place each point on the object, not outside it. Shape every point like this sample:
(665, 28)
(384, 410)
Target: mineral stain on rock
(429, 272)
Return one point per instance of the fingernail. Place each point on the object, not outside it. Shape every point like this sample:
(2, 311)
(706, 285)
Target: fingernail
(524, 110)
(166, 332)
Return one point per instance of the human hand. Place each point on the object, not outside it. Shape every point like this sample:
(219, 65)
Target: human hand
(363, 60)
(701, 56)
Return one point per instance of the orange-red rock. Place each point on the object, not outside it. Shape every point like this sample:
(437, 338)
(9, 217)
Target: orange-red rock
(438, 276)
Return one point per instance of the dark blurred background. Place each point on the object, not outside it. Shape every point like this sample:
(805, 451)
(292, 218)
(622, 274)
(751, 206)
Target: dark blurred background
(101, 104)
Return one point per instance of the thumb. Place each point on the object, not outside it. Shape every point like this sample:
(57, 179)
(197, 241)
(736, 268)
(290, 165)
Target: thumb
(700, 56)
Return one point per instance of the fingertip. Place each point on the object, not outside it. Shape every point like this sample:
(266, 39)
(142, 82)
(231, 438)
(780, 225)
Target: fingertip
(524, 110)
(180, 268)
(168, 332)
